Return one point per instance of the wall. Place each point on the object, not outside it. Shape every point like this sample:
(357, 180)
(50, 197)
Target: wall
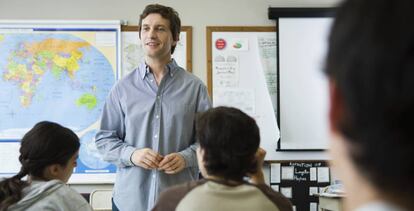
(195, 13)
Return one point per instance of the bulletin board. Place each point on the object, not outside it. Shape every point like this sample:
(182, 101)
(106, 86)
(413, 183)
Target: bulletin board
(241, 65)
(299, 181)
(132, 53)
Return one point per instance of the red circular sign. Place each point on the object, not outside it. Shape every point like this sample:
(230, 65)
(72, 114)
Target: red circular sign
(220, 44)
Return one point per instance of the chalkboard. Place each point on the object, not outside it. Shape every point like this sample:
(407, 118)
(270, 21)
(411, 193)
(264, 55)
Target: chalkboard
(299, 181)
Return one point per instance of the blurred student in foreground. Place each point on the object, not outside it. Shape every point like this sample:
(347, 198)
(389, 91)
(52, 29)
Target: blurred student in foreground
(229, 151)
(370, 66)
(48, 154)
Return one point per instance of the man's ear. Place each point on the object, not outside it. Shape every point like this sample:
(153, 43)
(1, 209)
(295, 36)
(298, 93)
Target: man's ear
(336, 109)
(175, 41)
(178, 38)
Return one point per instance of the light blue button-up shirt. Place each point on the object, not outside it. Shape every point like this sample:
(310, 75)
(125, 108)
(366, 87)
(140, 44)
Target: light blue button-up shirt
(139, 114)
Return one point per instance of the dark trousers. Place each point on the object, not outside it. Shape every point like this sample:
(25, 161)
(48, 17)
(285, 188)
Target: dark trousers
(114, 208)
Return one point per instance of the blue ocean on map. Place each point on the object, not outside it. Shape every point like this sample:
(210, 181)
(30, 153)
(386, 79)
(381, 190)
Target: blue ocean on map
(54, 96)
(56, 77)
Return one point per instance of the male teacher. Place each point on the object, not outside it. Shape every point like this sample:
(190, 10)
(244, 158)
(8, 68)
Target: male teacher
(147, 126)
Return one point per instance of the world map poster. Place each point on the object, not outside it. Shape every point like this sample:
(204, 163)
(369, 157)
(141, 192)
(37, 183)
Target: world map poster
(60, 73)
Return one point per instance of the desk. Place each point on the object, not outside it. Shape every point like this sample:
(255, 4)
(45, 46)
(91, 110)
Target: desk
(330, 202)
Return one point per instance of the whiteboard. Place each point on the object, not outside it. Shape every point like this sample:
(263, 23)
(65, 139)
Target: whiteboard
(242, 74)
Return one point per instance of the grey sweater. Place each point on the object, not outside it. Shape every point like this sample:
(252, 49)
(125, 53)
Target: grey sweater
(50, 195)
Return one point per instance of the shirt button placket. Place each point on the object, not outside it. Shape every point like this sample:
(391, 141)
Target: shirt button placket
(157, 123)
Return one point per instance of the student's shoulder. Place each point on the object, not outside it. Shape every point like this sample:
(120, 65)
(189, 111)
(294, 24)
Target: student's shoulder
(185, 187)
(277, 198)
(169, 199)
(59, 196)
(75, 200)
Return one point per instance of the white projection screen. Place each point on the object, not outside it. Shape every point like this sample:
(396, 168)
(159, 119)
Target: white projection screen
(303, 88)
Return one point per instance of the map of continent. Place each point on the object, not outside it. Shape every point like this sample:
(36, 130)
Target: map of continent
(57, 77)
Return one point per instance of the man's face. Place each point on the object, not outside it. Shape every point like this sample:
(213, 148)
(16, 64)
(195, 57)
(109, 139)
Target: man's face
(156, 37)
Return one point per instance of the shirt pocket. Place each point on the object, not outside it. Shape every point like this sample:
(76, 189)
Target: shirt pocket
(179, 115)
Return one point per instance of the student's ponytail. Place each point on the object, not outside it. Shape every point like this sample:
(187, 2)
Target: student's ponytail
(45, 144)
(11, 189)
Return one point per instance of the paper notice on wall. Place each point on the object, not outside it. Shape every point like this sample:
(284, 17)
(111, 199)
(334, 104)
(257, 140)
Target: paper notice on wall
(323, 174)
(275, 173)
(313, 191)
(313, 206)
(242, 99)
(239, 44)
(313, 174)
(275, 187)
(286, 191)
(226, 71)
(287, 172)
(267, 52)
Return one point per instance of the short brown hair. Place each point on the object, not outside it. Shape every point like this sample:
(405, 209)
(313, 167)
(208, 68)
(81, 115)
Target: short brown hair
(167, 13)
(229, 139)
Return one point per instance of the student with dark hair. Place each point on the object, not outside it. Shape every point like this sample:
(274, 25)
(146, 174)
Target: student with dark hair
(229, 151)
(147, 126)
(370, 65)
(48, 154)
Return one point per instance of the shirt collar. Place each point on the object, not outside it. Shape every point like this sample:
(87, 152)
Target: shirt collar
(144, 69)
